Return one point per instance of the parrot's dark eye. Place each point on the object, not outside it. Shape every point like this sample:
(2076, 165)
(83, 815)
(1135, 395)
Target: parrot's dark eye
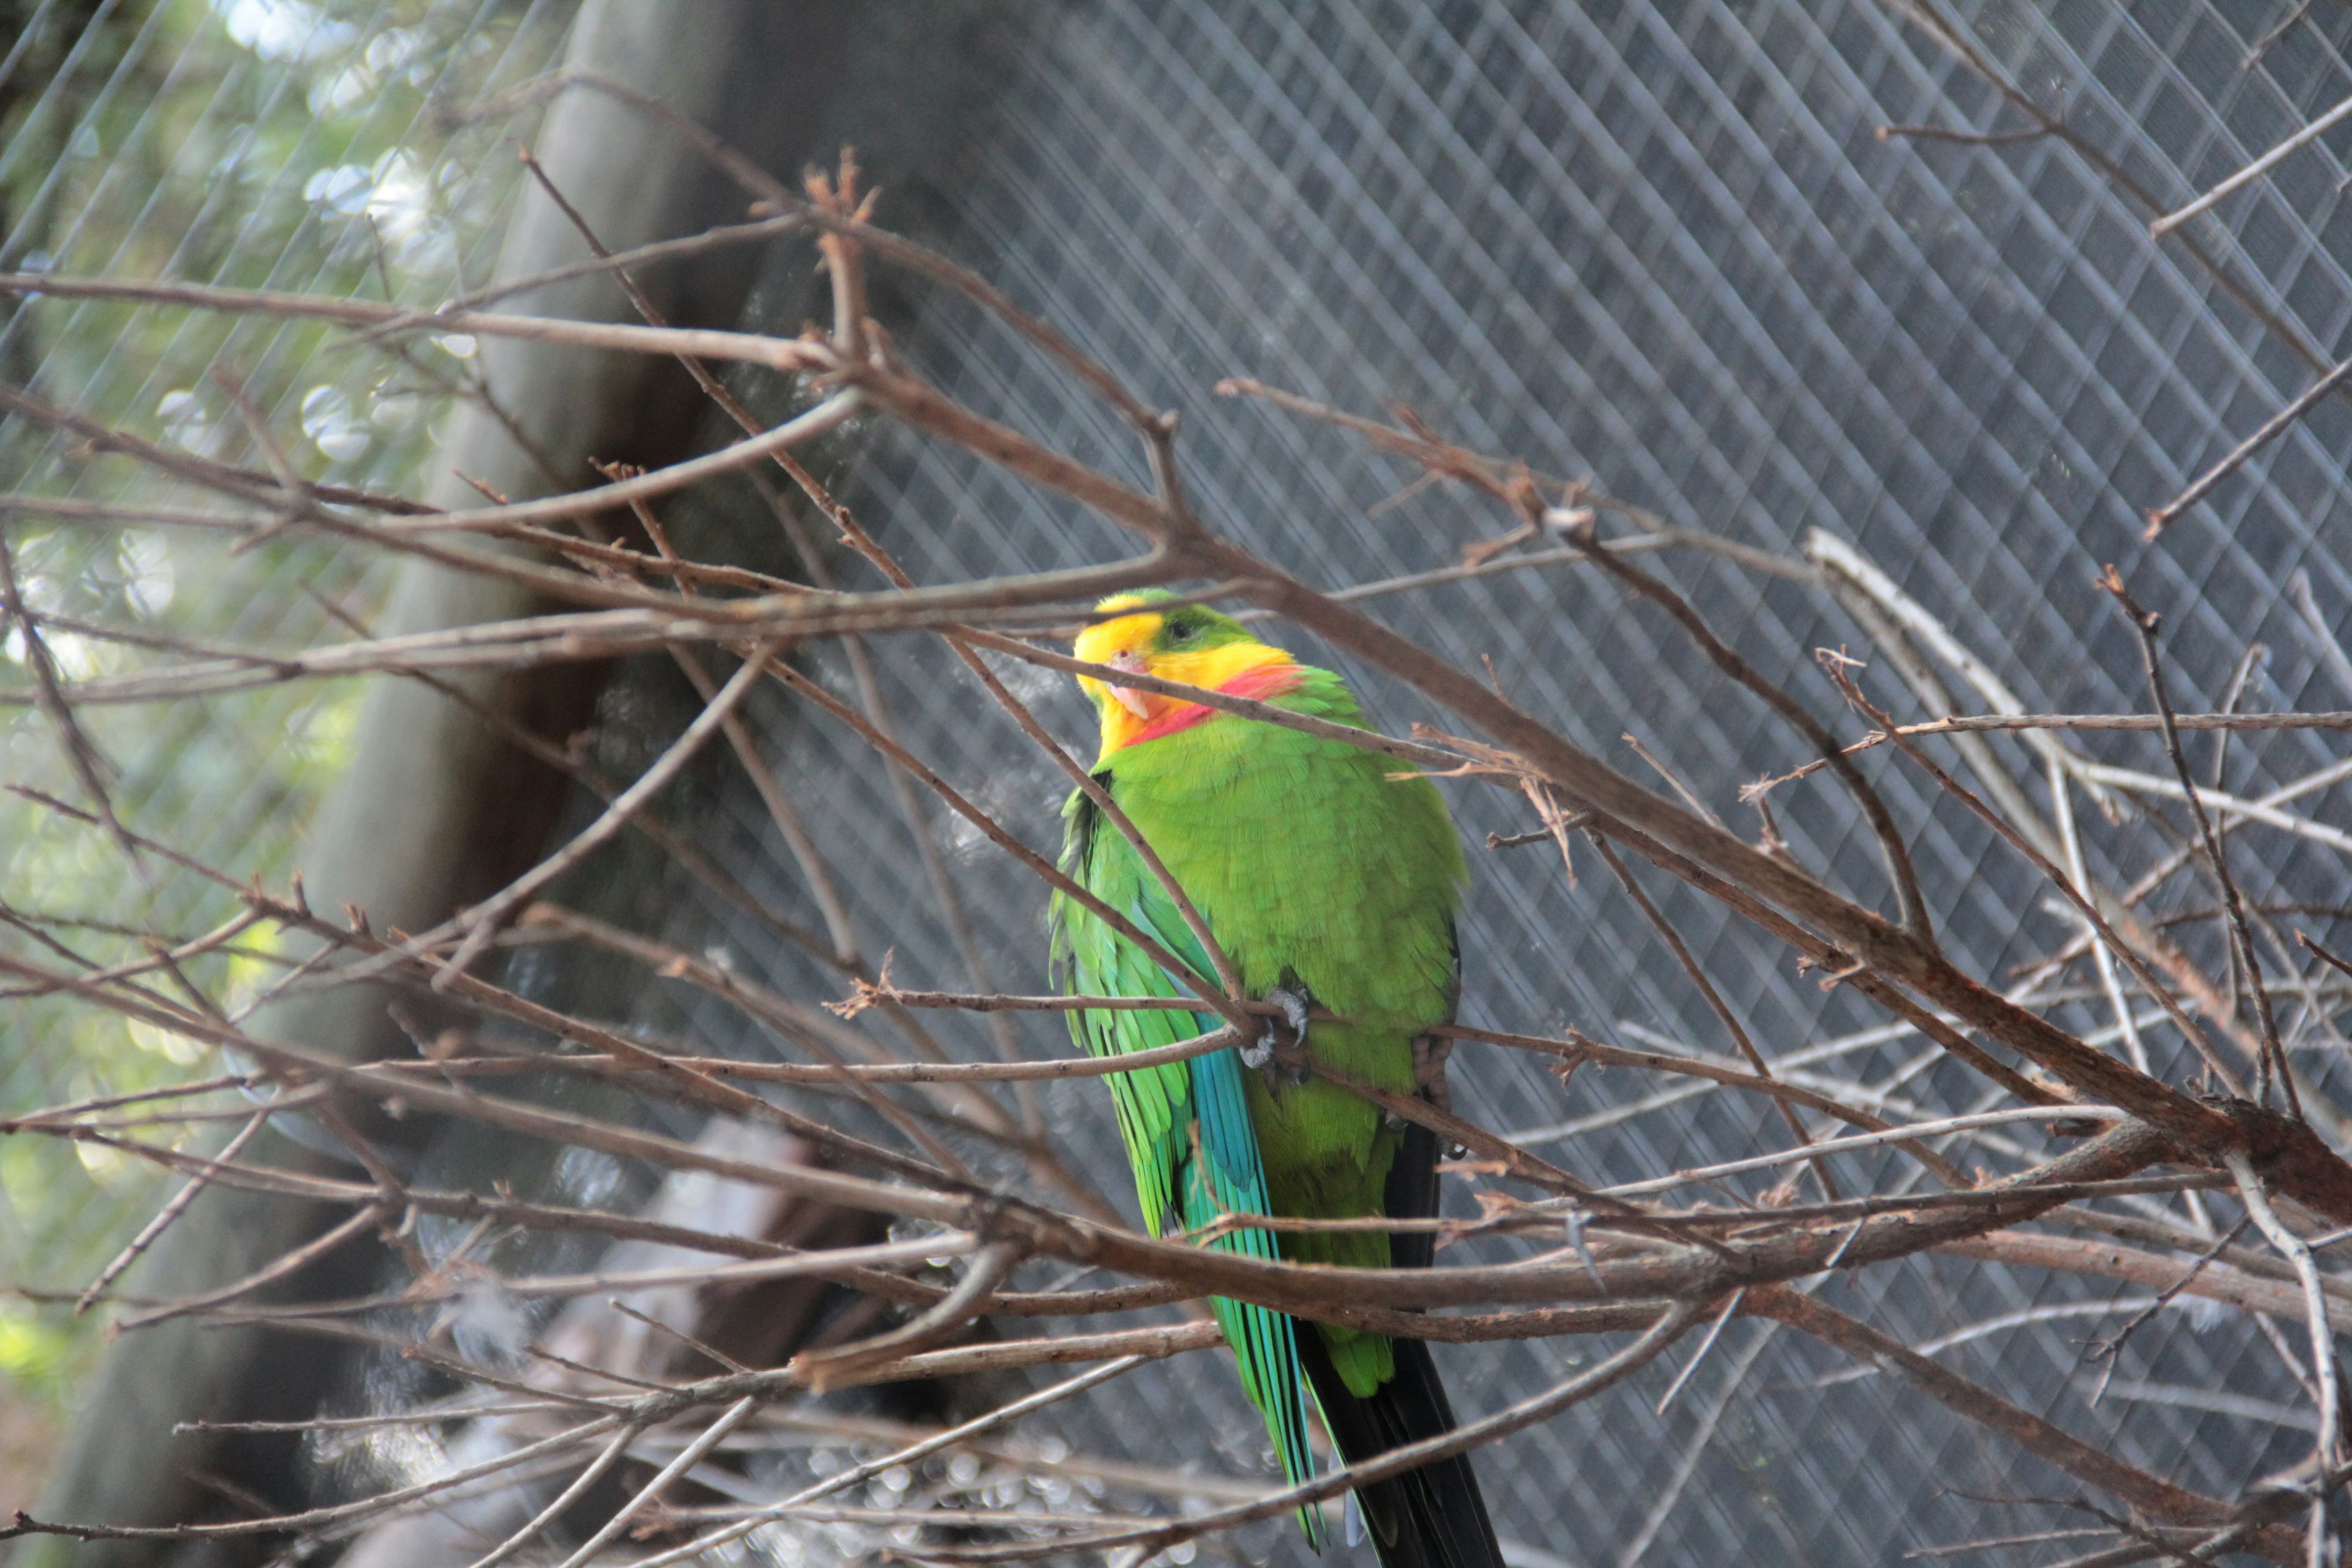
(1183, 631)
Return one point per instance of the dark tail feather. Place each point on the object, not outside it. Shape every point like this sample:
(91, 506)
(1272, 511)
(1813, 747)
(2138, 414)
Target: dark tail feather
(1430, 1518)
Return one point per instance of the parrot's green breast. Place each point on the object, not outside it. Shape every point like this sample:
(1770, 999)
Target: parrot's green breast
(1317, 866)
(1322, 868)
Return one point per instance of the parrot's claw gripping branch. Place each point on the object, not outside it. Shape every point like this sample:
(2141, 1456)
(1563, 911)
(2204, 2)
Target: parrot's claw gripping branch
(1280, 1045)
(1296, 1005)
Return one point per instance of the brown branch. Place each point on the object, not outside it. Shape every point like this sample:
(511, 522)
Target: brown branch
(2259, 167)
(1577, 1047)
(2270, 430)
(1213, 999)
(1586, 780)
(655, 253)
(695, 1080)
(480, 922)
(922, 1446)
(478, 1208)
(2057, 878)
(676, 845)
(1911, 908)
(555, 1126)
(2229, 1285)
(2044, 1439)
(808, 1028)
(827, 1369)
(1321, 1292)
(1659, 1336)
(1713, 997)
(310, 1520)
(2241, 942)
(1654, 1264)
(1068, 1350)
(1047, 1072)
(277, 1268)
(180, 463)
(776, 353)
(1968, 723)
(1929, 17)
(83, 757)
(165, 1217)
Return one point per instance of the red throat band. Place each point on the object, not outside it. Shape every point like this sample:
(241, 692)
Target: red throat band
(1261, 683)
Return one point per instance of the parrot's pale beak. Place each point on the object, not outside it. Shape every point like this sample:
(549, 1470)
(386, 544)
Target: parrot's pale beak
(1128, 698)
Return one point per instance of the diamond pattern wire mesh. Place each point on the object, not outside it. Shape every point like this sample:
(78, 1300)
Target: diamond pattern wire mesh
(1660, 244)
(258, 143)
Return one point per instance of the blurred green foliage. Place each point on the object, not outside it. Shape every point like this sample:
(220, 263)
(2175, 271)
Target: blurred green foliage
(288, 144)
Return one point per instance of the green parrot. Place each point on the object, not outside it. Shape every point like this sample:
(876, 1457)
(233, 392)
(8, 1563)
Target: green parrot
(1332, 883)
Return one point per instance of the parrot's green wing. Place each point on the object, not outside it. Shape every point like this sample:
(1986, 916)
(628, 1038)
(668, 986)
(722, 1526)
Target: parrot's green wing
(1187, 1124)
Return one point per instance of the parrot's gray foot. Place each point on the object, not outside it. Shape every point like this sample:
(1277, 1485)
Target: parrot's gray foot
(1294, 1005)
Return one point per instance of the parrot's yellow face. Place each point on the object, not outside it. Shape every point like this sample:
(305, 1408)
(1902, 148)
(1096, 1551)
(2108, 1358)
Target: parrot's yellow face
(1178, 642)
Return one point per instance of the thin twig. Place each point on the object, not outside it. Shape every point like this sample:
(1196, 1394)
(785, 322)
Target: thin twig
(1911, 907)
(2264, 434)
(1713, 997)
(1974, 1401)
(154, 1228)
(280, 1268)
(82, 756)
(2058, 879)
(560, 1504)
(2241, 942)
(2323, 1334)
(857, 1475)
(1668, 1328)
(690, 1457)
(481, 922)
(2251, 172)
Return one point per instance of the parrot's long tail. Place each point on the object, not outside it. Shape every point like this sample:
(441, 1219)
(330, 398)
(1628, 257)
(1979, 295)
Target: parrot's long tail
(1430, 1518)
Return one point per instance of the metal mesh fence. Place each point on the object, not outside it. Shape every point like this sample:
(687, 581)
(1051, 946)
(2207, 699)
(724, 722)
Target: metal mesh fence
(257, 143)
(1663, 245)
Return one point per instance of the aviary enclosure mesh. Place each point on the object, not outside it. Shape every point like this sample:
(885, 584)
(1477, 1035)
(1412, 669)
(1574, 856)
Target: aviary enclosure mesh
(1664, 246)
(255, 144)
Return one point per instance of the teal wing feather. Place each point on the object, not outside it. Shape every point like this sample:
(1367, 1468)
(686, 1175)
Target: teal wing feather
(1186, 1124)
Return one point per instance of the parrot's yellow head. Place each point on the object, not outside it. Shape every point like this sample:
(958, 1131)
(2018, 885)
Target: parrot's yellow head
(1155, 633)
